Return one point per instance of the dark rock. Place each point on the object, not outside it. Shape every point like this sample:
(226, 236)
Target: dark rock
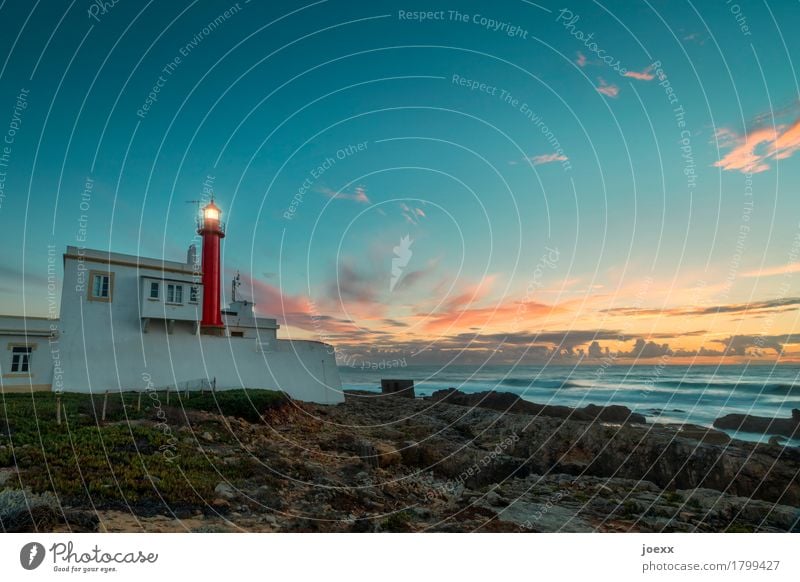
(700, 433)
(403, 388)
(788, 427)
(507, 402)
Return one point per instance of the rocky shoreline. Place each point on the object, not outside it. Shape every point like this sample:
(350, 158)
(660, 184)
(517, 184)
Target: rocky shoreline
(448, 464)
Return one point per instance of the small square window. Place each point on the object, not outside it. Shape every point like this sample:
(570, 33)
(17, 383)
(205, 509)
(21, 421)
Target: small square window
(101, 286)
(193, 294)
(154, 287)
(20, 359)
(174, 293)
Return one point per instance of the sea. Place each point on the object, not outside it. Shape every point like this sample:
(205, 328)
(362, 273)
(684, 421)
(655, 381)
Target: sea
(663, 394)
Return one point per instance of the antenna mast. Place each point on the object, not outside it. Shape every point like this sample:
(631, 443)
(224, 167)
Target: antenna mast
(235, 285)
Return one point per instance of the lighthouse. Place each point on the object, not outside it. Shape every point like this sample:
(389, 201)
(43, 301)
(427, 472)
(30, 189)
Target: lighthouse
(212, 229)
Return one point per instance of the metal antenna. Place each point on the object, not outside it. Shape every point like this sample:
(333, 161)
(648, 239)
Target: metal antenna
(235, 284)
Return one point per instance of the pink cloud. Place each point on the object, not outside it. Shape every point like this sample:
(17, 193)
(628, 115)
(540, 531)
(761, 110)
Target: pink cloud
(644, 75)
(752, 152)
(581, 60)
(412, 214)
(548, 159)
(607, 90)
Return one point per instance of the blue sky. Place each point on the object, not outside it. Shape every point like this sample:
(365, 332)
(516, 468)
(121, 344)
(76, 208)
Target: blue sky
(265, 96)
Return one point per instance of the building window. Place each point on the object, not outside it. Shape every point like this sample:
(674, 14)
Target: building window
(192, 294)
(154, 290)
(21, 359)
(101, 286)
(174, 293)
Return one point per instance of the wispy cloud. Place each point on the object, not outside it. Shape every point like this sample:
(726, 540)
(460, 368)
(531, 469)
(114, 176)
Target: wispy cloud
(412, 214)
(756, 306)
(358, 195)
(609, 90)
(786, 269)
(581, 60)
(548, 159)
(644, 75)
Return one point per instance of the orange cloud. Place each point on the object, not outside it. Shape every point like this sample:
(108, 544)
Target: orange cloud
(607, 90)
(644, 75)
(496, 316)
(751, 153)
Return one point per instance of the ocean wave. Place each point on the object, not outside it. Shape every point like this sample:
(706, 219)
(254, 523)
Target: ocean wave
(784, 389)
(540, 383)
(788, 389)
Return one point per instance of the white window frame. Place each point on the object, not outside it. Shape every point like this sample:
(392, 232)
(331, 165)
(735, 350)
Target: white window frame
(194, 293)
(21, 359)
(174, 293)
(155, 285)
(106, 283)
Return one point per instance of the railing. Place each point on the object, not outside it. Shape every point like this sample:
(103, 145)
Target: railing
(220, 225)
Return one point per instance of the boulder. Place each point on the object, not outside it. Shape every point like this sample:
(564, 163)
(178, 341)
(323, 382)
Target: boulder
(788, 427)
(225, 491)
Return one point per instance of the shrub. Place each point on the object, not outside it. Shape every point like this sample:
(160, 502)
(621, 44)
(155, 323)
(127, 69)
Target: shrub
(23, 511)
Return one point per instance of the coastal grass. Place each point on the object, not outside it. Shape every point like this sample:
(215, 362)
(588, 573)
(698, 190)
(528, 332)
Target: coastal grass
(144, 454)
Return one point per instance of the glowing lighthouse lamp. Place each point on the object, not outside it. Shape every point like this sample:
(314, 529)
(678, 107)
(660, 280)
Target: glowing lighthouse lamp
(212, 230)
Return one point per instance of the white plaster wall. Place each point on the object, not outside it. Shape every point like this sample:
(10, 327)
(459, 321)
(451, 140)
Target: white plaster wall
(103, 348)
(41, 362)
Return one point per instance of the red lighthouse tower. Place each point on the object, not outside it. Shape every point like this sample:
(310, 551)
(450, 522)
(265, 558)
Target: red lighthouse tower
(213, 231)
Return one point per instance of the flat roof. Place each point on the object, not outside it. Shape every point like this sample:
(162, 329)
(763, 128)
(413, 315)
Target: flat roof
(26, 325)
(109, 258)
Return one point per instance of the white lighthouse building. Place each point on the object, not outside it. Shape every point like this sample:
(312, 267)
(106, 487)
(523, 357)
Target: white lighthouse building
(132, 323)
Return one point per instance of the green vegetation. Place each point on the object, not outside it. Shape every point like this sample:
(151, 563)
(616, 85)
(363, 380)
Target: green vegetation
(672, 497)
(145, 453)
(398, 522)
